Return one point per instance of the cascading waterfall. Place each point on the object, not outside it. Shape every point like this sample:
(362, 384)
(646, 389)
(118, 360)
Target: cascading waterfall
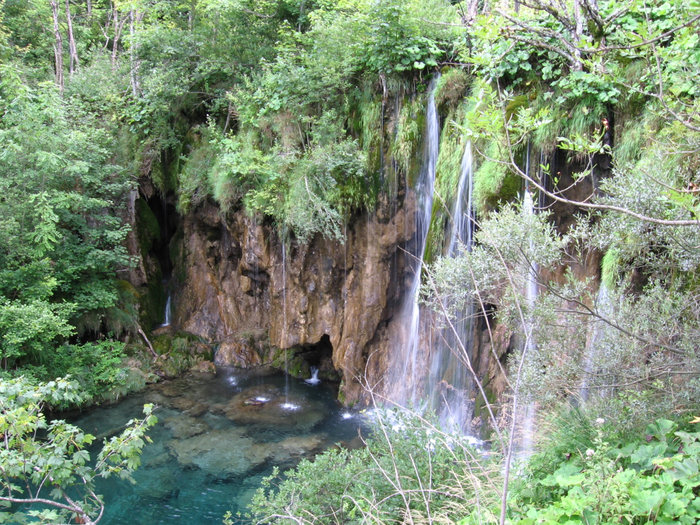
(450, 382)
(527, 418)
(463, 217)
(596, 342)
(406, 374)
(168, 309)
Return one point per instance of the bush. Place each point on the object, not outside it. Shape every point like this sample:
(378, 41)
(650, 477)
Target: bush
(407, 468)
(653, 479)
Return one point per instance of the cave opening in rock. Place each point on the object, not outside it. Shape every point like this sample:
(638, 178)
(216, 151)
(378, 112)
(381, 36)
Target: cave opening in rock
(320, 355)
(168, 219)
(164, 224)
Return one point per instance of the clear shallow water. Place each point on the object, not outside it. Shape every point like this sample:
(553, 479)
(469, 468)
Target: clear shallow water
(216, 438)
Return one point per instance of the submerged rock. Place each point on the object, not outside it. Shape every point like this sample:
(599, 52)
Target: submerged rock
(292, 448)
(185, 427)
(221, 453)
(266, 405)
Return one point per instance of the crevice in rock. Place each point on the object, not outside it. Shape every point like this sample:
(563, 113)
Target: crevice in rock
(320, 355)
(168, 221)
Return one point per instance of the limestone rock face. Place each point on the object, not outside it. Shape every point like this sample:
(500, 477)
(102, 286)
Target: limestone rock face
(237, 285)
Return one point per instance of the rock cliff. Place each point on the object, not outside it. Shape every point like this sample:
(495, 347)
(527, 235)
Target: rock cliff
(237, 285)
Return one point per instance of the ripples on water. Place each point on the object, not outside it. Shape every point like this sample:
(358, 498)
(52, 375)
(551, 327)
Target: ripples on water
(216, 438)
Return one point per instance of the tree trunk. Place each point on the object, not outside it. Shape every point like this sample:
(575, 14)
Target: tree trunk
(57, 46)
(134, 17)
(118, 27)
(71, 42)
(578, 33)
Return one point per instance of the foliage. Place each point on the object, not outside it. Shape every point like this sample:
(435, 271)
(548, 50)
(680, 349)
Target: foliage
(48, 475)
(408, 468)
(644, 480)
(400, 41)
(63, 240)
(405, 147)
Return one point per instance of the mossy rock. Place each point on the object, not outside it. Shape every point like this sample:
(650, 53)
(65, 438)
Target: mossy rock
(147, 226)
(494, 185)
(152, 299)
(179, 352)
(451, 87)
(481, 413)
(178, 255)
(290, 360)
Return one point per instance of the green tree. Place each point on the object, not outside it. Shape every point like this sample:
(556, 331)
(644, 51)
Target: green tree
(59, 221)
(46, 472)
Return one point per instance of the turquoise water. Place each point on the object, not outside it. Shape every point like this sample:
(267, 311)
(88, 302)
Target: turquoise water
(216, 438)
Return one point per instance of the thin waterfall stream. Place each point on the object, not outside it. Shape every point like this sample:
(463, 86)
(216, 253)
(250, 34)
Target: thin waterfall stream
(596, 343)
(450, 381)
(406, 374)
(527, 417)
(287, 405)
(167, 313)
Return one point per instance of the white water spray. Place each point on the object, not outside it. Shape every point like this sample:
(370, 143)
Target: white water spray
(313, 380)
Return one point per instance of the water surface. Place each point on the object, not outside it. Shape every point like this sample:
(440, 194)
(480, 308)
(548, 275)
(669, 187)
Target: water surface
(216, 438)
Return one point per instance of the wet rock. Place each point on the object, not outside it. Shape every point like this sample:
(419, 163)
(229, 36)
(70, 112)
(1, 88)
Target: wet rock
(157, 398)
(234, 352)
(197, 410)
(184, 403)
(204, 367)
(172, 388)
(297, 446)
(272, 409)
(234, 283)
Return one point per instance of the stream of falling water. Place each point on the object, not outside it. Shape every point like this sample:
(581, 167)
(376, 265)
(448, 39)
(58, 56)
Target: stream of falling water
(405, 373)
(283, 338)
(168, 308)
(596, 342)
(345, 265)
(527, 418)
(450, 381)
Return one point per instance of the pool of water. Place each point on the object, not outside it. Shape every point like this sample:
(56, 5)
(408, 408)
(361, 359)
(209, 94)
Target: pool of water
(216, 438)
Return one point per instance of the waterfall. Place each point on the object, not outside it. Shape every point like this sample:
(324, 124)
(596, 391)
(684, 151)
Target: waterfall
(527, 418)
(283, 338)
(450, 383)
(167, 313)
(596, 341)
(463, 214)
(313, 380)
(168, 309)
(405, 372)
